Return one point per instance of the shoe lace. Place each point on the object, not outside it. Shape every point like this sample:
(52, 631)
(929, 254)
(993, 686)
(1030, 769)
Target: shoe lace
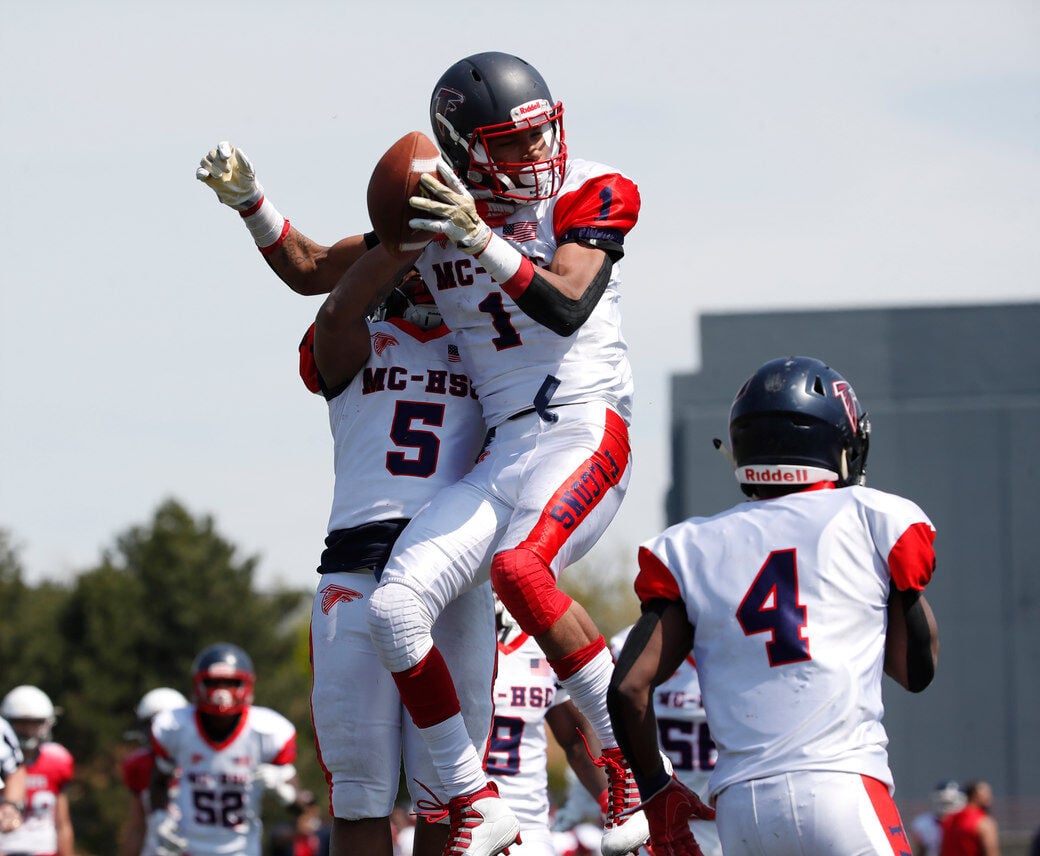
(431, 810)
(622, 793)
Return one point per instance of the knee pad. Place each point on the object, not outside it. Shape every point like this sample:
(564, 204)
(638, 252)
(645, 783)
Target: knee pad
(524, 583)
(400, 625)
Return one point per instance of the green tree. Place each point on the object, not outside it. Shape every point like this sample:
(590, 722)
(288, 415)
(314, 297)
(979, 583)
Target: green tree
(161, 593)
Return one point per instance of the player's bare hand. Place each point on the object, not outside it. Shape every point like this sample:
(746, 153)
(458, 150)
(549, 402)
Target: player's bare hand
(10, 817)
(452, 211)
(229, 172)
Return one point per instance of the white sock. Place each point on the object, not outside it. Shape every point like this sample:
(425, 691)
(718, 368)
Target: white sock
(453, 754)
(588, 689)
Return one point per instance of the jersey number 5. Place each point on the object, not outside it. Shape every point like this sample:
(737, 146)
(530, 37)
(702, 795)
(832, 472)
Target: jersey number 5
(771, 605)
(404, 435)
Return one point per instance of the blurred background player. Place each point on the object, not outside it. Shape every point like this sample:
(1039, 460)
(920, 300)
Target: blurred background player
(399, 369)
(139, 836)
(528, 698)
(225, 752)
(46, 828)
(12, 778)
(972, 831)
(798, 599)
(926, 828)
(684, 736)
(534, 297)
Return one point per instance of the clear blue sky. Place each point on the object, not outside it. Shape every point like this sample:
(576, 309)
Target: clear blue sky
(790, 155)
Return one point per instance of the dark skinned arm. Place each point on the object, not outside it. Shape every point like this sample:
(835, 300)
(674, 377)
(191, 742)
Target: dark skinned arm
(342, 344)
(911, 629)
(568, 727)
(654, 649)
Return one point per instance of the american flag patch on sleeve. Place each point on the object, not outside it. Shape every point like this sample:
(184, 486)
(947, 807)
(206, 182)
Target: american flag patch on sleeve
(520, 232)
(453, 354)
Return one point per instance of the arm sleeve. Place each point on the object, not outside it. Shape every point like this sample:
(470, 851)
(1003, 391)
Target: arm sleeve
(911, 561)
(655, 581)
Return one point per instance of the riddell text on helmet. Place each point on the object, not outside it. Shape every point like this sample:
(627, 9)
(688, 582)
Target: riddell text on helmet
(799, 476)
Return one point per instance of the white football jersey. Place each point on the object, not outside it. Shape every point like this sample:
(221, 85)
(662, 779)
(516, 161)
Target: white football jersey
(788, 597)
(412, 408)
(515, 362)
(219, 796)
(525, 689)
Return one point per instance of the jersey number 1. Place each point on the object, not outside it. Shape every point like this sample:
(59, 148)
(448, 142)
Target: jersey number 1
(771, 605)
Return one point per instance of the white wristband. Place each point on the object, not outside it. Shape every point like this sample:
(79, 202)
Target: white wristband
(500, 259)
(265, 224)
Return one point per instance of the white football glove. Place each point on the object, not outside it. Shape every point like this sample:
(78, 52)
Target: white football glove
(277, 778)
(228, 171)
(453, 210)
(168, 838)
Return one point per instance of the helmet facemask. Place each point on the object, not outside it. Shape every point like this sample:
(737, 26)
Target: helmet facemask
(524, 180)
(223, 694)
(411, 301)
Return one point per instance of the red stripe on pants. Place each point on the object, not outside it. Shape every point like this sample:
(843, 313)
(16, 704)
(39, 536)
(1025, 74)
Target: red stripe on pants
(581, 491)
(888, 815)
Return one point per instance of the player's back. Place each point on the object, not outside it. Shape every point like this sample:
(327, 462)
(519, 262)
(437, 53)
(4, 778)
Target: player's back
(510, 355)
(788, 597)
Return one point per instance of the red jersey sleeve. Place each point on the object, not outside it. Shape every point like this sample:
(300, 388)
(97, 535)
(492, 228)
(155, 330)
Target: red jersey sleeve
(287, 754)
(605, 206)
(654, 580)
(911, 561)
(137, 770)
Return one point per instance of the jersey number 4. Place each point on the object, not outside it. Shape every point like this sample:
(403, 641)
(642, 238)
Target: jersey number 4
(771, 605)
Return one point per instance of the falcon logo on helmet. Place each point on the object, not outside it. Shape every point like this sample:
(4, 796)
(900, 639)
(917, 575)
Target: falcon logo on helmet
(446, 100)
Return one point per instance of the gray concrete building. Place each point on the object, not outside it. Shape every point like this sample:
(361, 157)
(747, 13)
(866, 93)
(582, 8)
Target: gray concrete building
(953, 395)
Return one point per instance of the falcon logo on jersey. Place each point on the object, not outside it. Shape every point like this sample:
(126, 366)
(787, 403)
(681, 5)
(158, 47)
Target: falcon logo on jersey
(847, 396)
(333, 594)
(382, 341)
(447, 100)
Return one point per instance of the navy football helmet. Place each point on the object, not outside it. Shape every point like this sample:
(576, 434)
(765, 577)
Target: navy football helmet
(491, 98)
(794, 422)
(223, 678)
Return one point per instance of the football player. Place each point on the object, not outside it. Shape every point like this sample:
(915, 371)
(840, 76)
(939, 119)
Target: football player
(139, 836)
(534, 297)
(46, 828)
(225, 752)
(405, 422)
(798, 598)
(528, 699)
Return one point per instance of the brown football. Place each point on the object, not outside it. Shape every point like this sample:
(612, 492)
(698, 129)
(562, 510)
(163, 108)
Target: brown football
(394, 180)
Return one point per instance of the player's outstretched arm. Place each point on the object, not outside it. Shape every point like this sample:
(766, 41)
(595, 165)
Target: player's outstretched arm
(912, 640)
(306, 266)
(342, 343)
